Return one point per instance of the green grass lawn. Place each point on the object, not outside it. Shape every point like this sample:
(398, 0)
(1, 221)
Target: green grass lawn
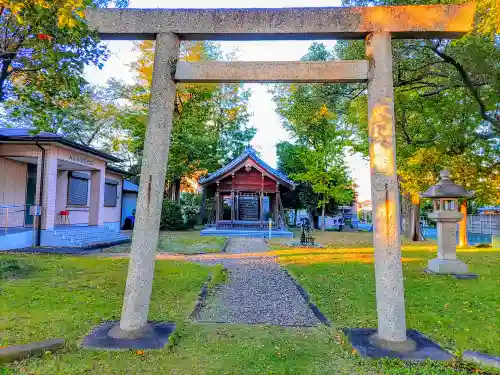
(332, 239)
(67, 296)
(181, 242)
(459, 314)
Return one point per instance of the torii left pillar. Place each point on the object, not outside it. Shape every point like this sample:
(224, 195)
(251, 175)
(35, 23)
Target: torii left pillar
(134, 318)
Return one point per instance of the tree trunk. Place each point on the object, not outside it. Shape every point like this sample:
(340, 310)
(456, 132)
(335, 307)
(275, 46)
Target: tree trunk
(462, 226)
(168, 190)
(323, 218)
(201, 218)
(311, 219)
(177, 190)
(415, 219)
(406, 210)
(295, 216)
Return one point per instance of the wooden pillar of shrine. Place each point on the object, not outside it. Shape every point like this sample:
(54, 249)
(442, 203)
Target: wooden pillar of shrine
(275, 205)
(232, 199)
(280, 210)
(217, 205)
(261, 202)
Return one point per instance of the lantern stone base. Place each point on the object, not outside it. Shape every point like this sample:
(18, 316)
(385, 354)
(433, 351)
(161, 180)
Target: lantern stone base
(447, 266)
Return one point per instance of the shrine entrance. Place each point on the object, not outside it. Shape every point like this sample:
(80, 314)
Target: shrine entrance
(377, 25)
(247, 208)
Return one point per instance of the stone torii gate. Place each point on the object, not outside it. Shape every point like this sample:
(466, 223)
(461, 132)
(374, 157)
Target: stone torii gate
(376, 25)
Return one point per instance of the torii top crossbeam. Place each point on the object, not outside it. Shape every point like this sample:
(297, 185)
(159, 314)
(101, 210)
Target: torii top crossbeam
(409, 21)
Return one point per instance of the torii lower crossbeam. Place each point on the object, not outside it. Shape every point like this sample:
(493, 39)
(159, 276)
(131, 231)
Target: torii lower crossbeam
(272, 71)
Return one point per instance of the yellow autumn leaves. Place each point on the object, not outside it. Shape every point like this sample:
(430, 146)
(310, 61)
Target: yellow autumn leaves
(68, 11)
(323, 111)
(488, 17)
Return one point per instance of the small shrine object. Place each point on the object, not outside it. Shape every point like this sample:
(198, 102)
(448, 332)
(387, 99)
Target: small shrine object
(306, 237)
(445, 196)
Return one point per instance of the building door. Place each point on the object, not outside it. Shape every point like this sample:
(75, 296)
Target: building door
(248, 206)
(30, 193)
(128, 205)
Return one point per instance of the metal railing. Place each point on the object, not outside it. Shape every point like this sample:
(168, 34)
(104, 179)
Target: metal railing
(483, 224)
(13, 215)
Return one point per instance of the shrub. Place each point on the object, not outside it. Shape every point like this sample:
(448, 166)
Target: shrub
(13, 269)
(483, 245)
(171, 216)
(190, 207)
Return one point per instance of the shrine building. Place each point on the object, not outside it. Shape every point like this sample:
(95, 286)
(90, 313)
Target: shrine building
(243, 199)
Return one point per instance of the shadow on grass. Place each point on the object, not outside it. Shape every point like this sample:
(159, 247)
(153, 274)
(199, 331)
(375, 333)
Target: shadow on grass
(14, 269)
(181, 242)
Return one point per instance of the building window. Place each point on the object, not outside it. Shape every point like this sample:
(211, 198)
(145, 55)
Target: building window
(110, 195)
(78, 189)
(110, 192)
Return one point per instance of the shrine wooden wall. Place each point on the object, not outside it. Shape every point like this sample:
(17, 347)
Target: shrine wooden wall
(247, 181)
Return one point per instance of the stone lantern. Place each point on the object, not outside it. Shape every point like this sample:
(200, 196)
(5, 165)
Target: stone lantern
(445, 196)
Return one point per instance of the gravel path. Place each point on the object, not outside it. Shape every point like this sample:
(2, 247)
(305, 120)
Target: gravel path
(258, 290)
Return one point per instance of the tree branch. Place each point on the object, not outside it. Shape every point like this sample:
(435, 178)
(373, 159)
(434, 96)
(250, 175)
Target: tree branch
(94, 134)
(4, 74)
(406, 135)
(473, 90)
(438, 91)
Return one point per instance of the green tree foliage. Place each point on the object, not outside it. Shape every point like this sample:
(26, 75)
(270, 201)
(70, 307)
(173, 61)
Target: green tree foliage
(86, 118)
(210, 121)
(488, 16)
(322, 180)
(92, 118)
(321, 139)
(447, 102)
(291, 163)
(327, 177)
(44, 47)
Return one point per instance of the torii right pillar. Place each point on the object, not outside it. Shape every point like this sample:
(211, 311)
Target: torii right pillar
(391, 332)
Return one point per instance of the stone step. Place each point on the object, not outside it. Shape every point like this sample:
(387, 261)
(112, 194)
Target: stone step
(99, 239)
(82, 237)
(82, 230)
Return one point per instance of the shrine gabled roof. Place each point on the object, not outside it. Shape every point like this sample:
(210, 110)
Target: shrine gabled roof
(249, 153)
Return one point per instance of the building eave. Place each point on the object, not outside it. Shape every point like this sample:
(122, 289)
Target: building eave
(60, 140)
(118, 171)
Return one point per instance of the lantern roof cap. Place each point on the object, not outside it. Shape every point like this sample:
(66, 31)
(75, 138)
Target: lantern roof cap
(446, 188)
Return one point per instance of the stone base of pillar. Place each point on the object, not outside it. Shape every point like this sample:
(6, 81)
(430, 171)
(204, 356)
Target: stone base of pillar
(116, 332)
(447, 266)
(109, 336)
(417, 347)
(396, 346)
